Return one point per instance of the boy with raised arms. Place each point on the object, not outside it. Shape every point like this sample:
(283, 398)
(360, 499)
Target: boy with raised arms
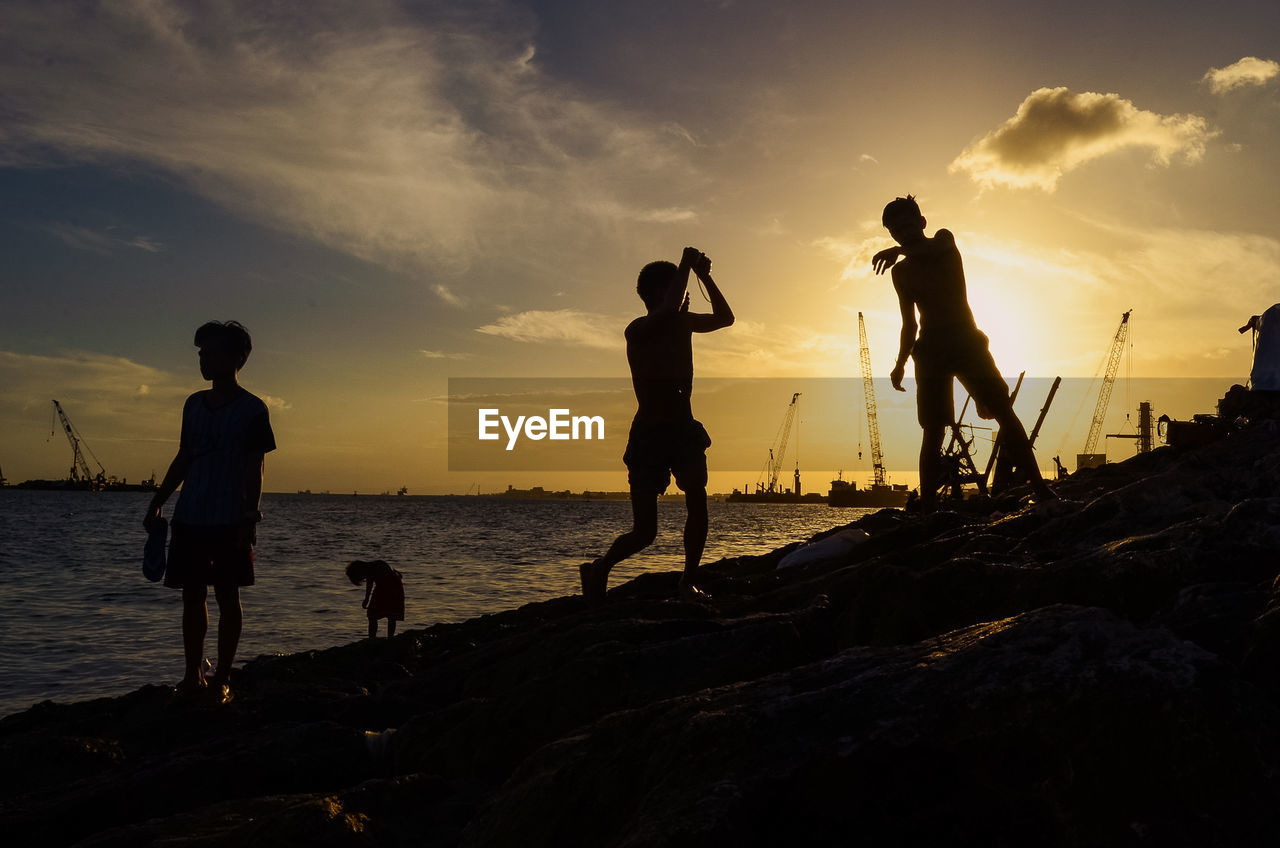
(665, 439)
(930, 280)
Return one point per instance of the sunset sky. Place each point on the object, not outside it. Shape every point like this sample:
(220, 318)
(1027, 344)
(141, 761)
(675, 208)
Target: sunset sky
(392, 194)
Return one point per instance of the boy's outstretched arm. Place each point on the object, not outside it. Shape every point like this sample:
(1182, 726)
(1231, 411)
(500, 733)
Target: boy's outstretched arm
(906, 339)
(721, 315)
(253, 472)
(885, 259)
(174, 476)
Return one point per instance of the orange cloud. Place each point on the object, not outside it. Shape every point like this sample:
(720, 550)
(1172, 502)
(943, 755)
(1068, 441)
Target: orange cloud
(1056, 131)
(563, 326)
(1248, 71)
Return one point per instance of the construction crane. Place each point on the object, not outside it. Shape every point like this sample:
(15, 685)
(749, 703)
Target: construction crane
(869, 396)
(1087, 458)
(780, 441)
(80, 472)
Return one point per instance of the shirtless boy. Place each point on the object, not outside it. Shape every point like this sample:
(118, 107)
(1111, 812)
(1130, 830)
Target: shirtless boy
(665, 438)
(225, 434)
(930, 280)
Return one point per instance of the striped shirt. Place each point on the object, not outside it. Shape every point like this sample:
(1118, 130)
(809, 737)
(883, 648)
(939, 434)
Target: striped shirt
(220, 442)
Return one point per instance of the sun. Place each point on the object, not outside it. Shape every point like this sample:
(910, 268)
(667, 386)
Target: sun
(1013, 306)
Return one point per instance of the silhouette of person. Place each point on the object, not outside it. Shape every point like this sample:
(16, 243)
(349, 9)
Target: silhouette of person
(383, 594)
(930, 280)
(225, 434)
(665, 439)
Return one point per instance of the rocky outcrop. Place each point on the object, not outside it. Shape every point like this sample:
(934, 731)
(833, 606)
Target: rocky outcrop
(1104, 671)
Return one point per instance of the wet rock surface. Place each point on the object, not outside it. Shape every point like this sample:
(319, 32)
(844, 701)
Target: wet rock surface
(1104, 671)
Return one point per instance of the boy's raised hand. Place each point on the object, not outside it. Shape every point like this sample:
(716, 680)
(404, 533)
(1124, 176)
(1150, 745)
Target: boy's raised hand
(702, 265)
(885, 259)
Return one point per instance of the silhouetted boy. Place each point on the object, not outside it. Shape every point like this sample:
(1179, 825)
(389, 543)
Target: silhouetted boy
(931, 280)
(665, 438)
(383, 593)
(225, 434)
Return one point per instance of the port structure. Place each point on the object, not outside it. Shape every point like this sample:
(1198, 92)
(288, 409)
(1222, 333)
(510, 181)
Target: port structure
(869, 398)
(80, 472)
(773, 468)
(1087, 458)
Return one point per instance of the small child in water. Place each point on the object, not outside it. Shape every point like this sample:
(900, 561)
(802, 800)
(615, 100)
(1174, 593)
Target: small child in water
(383, 595)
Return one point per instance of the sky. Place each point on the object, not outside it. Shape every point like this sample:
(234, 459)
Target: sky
(393, 194)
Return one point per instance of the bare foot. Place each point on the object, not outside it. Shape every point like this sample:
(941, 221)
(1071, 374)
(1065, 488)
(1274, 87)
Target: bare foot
(595, 578)
(220, 693)
(692, 594)
(189, 688)
(220, 689)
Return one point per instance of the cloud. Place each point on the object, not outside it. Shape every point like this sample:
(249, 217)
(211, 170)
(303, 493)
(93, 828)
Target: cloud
(757, 349)
(279, 404)
(1056, 131)
(748, 349)
(146, 243)
(1248, 71)
(668, 216)
(441, 354)
(84, 238)
(855, 253)
(445, 294)
(110, 399)
(78, 371)
(560, 326)
(412, 135)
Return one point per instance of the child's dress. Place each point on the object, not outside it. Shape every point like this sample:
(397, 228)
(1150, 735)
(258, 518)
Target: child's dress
(387, 600)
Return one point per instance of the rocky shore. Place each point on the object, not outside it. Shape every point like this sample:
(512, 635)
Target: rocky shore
(1100, 672)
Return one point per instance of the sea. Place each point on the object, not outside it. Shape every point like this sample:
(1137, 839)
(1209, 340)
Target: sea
(78, 620)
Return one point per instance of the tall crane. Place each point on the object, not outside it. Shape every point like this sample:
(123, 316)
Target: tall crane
(80, 472)
(776, 456)
(869, 396)
(1087, 457)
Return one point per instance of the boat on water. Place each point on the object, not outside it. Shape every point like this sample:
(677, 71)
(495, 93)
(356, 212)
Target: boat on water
(785, 496)
(772, 492)
(847, 493)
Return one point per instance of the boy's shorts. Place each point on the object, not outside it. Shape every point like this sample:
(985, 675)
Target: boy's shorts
(959, 352)
(211, 556)
(656, 451)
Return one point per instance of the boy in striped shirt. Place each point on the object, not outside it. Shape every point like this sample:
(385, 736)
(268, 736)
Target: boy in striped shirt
(226, 432)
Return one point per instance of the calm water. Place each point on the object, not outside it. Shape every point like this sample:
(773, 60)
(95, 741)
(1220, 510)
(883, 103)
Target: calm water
(78, 619)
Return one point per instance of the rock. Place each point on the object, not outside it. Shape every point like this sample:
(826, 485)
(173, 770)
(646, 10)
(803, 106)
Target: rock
(1104, 671)
(1063, 721)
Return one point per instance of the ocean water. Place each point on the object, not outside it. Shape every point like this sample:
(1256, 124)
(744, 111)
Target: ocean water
(78, 620)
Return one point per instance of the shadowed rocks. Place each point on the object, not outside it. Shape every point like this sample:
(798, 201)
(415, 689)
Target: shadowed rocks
(1104, 672)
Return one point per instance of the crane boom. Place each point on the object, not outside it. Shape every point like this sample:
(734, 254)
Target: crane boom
(1108, 381)
(784, 433)
(869, 396)
(79, 465)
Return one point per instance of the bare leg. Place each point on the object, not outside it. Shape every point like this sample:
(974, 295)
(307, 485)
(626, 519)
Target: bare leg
(644, 527)
(930, 463)
(373, 628)
(391, 627)
(195, 624)
(230, 623)
(695, 540)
